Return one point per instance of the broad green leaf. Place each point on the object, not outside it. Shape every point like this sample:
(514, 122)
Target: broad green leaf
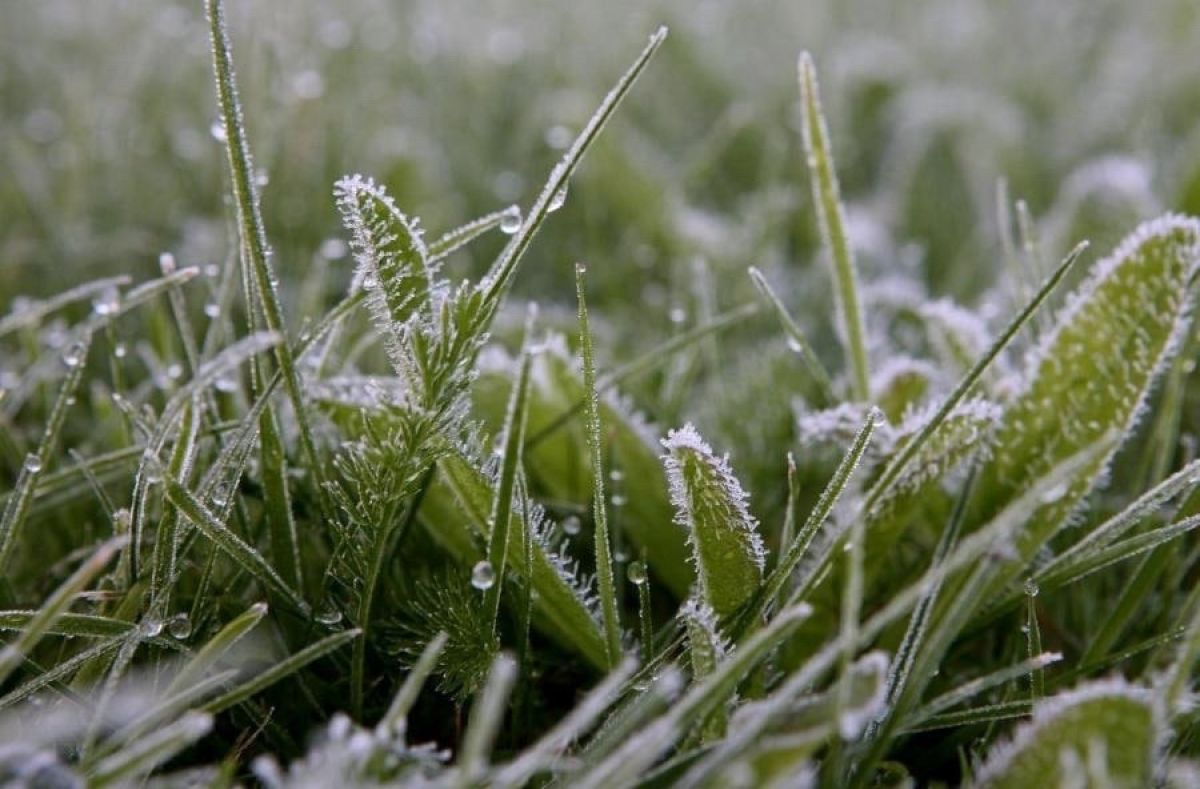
(712, 506)
(1093, 372)
(1110, 726)
(393, 264)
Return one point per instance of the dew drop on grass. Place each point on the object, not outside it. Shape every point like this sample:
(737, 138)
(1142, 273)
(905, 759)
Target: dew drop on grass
(636, 573)
(106, 303)
(217, 130)
(329, 615)
(510, 222)
(483, 575)
(73, 356)
(1031, 588)
(166, 263)
(212, 309)
(677, 315)
(179, 626)
(119, 350)
(33, 464)
(559, 198)
(571, 525)
(152, 626)
(225, 384)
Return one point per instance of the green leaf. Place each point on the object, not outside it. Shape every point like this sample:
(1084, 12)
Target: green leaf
(1093, 372)
(712, 506)
(393, 265)
(1111, 727)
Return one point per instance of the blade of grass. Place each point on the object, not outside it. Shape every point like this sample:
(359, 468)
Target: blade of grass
(18, 504)
(55, 606)
(253, 232)
(603, 547)
(830, 216)
(797, 341)
(280, 671)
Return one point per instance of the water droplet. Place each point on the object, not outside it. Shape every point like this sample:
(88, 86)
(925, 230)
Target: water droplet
(620, 556)
(212, 271)
(849, 546)
(619, 500)
(107, 303)
(328, 615)
(616, 475)
(217, 130)
(510, 221)
(166, 263)
(220, 495)
(151, 626)
(794, 345)
(119, 350)
(179, 626)
(33, 464)
(261, 178)
(175, 371)
(1031, 587)
(483, 575)
(212, 309)
(225, 384)
(636, 573)
(677, 315)
(153, 471)
(73, 356)
(557, 201)
(571, 525)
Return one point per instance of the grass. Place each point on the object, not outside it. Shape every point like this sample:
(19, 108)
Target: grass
(826, 472)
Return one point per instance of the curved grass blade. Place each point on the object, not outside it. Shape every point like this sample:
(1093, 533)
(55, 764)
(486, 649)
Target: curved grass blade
(32, 314)
(394, 720)
(487, 714)
(144, 755)
(207, 655)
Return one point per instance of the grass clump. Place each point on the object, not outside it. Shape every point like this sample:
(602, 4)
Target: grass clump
(438, 541)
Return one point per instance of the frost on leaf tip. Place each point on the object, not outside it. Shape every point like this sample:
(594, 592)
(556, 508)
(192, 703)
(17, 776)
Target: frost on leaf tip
(392, 261)
(712, 506)
(1119, 723)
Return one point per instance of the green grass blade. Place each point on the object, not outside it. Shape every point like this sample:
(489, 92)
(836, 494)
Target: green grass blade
(501, 273)
(487, 715)
(900, 462)
(501, 511)
(213, 649)
(394, 720)
(55, 606)
(604, 567)
(253, 232)
(237, 549)
(154, 749)
(830, 215)
(797, 341)
(17, 507)
(281, 670)
(32, 314)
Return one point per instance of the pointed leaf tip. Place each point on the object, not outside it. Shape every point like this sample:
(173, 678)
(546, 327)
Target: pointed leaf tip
(712, 505)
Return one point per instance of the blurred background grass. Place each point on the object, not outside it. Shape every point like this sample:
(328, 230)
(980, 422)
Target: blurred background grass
(1085, 108)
